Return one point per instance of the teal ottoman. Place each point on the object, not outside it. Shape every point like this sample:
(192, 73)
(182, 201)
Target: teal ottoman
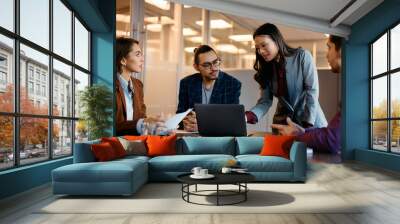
(118, 177)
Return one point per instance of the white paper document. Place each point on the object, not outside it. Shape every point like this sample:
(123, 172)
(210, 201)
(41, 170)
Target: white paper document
(174, 121)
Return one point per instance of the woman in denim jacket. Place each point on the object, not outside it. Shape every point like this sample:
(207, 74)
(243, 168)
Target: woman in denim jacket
(288, 74)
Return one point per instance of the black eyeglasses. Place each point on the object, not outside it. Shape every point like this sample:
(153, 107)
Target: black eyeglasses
(209, 65)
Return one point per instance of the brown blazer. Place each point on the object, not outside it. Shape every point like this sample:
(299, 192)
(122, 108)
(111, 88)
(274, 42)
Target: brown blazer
(125, 127)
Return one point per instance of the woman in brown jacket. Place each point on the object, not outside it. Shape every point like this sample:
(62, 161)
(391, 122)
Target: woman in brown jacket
(131, 110)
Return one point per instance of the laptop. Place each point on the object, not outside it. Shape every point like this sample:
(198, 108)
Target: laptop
(220, 119)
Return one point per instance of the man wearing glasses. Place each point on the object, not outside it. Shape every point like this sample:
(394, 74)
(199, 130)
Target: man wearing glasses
(209, 86)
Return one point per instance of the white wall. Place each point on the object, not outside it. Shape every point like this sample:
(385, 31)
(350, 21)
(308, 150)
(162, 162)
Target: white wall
(329, 92)
(160, 89)
(249, 96)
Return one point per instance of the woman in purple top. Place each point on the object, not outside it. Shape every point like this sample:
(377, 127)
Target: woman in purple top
(320, 139)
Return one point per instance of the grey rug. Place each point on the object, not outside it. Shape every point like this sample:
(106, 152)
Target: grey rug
(166, 198)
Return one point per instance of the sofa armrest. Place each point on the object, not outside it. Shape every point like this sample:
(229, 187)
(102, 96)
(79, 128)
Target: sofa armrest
(83, 153)
(298, 155)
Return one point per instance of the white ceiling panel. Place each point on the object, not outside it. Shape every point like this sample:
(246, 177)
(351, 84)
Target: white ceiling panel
(313, 15)
(320, 9)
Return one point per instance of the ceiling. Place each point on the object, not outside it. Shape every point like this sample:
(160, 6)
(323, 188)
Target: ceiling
(311, 15)
(319, 9)
(302, 23)
(325, 16)
(243, 25)
(290, 34)
(240, 25)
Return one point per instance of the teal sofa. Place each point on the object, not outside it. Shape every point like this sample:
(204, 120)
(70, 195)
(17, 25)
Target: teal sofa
(125, 176)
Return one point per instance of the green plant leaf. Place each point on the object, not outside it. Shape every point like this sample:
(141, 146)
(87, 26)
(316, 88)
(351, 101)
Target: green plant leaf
(96, 104)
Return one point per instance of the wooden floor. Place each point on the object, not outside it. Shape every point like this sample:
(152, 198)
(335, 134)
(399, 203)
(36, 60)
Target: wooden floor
(377, 188)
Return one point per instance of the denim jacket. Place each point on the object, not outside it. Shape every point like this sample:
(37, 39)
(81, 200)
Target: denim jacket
(303, 91)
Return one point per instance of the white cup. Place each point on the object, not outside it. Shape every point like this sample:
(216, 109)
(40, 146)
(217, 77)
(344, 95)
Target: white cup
(196, 171)
(226, 170)
(203, 172)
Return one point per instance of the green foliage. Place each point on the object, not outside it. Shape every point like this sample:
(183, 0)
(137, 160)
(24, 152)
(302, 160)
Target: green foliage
(96, 104)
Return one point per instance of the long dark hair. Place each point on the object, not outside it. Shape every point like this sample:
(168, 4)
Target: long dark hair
(123, 47)
(264, 69)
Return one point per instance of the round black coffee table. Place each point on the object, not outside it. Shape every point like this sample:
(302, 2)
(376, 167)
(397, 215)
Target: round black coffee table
(238, 179)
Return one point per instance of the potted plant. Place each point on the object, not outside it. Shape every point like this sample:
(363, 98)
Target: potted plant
(95, 103)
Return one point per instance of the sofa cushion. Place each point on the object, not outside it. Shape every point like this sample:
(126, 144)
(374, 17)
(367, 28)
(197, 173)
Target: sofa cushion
(112, 171)
(161, 145)
(118, 177)
(185, 163)
(83, 152)
(257, 163)
(103, 152)
(135, 137)
(132, 157)
(207, 145)
(249, 145)
(116, 145)
(277, 145)
(134, 147)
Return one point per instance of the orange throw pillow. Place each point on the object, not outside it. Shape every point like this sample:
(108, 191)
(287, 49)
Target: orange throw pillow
(135, 137)
(103, 151)
(116, 145)
(161, 145)
(277, 145)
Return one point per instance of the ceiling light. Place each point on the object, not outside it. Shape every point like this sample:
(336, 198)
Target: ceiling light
(198, 39)
(152, 19)
(156, 19)
(187, 6)
(123, 18)
(241, 38)
(242, 51)
(153, 41)
(151, 50)
(189, 49)
(230, 48)
(162, 4)
(153, 27)
(123, 33)
(189, 32)
(216, 24)
(249, 56)
(166, 20)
